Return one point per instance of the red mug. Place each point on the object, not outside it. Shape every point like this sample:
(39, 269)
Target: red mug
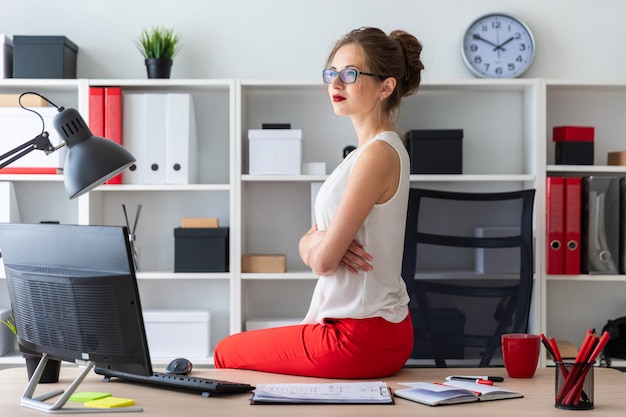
(520, 352)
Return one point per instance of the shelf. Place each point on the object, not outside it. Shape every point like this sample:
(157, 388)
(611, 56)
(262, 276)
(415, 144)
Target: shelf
(587, 169)
(154, 275)
(471, 178)
(586, 278)
(283, 178)
(163, 187)
(279, 276)
(31, 178)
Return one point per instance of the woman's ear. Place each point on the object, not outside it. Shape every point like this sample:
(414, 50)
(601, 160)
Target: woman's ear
(387, 87)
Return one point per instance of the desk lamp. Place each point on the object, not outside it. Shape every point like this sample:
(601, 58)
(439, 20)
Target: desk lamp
(90, 160)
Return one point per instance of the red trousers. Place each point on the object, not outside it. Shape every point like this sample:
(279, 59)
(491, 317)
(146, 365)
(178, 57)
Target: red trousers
(339, 348)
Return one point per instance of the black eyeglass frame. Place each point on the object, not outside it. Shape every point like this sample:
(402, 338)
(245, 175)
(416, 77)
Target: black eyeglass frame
(329, 74)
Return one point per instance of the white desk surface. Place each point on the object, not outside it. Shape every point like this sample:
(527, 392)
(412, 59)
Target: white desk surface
(610, 395)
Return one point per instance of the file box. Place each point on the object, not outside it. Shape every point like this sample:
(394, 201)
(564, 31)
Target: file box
(178, 333)
(275, 151)
(44, 57)
(573, 145)
(436, 151)
(201, 249)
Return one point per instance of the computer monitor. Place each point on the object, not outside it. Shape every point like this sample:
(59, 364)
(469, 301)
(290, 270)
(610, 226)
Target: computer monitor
(74, 297)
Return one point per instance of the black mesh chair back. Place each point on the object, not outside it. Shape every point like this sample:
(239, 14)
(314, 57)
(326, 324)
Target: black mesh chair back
(468, 267)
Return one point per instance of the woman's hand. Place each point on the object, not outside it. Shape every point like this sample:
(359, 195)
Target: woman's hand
(356, 258)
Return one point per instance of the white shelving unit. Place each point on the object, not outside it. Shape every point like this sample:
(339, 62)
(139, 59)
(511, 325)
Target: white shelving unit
(507, 145)
(576, 303)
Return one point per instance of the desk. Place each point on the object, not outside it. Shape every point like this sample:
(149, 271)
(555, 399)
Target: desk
(538, 398)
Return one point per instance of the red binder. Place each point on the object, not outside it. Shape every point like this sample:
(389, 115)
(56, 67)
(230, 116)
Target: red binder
(555, 210)
(113, 120)
(572, 226)
(96, 110)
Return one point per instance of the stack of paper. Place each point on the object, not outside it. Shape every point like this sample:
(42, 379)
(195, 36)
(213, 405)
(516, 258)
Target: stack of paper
(329, 393)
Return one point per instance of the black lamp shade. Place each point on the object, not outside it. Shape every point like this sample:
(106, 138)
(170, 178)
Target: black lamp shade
(90, 160)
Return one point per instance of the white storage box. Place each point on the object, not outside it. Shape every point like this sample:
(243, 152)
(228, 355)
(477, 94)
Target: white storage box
(8, 341)
(497, 261)
(6, 56)
(18, 126)
(178, 333)
(256, 324)
(275, 151)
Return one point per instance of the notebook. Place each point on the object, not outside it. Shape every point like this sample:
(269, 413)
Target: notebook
(453, 392)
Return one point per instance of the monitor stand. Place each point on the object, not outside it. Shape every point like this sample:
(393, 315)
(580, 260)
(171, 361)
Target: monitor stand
(38, 403)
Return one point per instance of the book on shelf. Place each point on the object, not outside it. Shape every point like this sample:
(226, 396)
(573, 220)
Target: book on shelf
(453, 392)
(113, 121)
(323, 393)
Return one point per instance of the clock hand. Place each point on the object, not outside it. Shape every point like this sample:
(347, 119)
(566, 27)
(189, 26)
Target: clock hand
(478, 37)
(503, 43)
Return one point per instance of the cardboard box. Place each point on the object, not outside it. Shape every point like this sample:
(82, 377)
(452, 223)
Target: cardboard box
(275, 151)
(200, 222)
(436, 151)
(178, 333)
(6, 56)
(263, 263)
(263, 323)
(44, 57)
(8, 341)
(201, 249)
(616, 158)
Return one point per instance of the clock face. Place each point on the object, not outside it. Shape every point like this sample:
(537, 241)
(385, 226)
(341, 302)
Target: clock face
(498, 46)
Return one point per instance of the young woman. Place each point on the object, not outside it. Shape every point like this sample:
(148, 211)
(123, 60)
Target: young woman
(358, 324)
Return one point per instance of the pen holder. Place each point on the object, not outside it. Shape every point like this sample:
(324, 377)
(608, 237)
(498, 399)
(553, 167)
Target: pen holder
(573, 385)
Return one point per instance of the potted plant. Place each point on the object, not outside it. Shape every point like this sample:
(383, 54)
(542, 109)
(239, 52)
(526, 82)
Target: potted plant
(53, 367)
(158, 45)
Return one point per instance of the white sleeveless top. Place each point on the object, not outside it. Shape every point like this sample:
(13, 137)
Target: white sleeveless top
(380, 292)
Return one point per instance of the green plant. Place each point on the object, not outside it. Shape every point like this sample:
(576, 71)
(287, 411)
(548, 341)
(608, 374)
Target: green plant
(158, 42)
(10, 323)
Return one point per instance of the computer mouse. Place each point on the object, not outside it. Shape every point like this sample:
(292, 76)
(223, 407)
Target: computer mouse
(179, 366)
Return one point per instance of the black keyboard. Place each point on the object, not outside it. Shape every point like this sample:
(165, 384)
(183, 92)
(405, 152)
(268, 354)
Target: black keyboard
(205, 386)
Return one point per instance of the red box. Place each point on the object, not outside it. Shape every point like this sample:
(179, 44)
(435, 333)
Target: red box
(572, 134)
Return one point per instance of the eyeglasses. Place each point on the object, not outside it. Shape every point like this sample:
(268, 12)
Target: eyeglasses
(346, 76)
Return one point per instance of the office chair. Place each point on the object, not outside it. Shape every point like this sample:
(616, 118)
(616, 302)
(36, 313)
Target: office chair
(468, 267)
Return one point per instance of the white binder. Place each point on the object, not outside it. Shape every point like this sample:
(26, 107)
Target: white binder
(133, 132)
(155, 119)
(181, 141)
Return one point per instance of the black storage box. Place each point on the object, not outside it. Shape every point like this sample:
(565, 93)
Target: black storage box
(444, 318)
(201, 249)
(436, 151)
(44, 57)
(573, 153)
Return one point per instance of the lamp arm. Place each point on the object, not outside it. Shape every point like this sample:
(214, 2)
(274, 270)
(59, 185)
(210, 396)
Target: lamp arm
(40, 142)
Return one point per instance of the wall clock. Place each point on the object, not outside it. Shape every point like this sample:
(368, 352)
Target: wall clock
(498, 45)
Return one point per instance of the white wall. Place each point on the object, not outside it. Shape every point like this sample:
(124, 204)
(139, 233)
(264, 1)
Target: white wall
(576, 39)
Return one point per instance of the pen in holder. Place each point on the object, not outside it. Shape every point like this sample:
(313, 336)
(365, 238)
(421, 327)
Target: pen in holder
(573, 385)
(132, 236)
(574, 378)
